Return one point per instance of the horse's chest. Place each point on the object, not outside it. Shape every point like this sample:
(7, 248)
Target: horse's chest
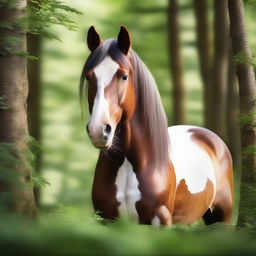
(127, 191)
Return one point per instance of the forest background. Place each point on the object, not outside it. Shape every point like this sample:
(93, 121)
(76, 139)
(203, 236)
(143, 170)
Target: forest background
(186, 45)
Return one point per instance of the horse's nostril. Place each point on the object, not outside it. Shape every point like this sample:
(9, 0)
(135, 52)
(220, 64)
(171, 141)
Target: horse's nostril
(107, 129)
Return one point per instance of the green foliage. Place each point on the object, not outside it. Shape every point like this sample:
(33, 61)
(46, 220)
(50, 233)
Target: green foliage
(39, 181)
(242, 58)
(73, 233)
(24, 54)
(247, 205)
(34, 149)
(8, 3)
(11, 159)
(249, 151)
(7, 44)
(6, 25)
(9, 162)
(43, 14)
(97, 217)
(248, 119)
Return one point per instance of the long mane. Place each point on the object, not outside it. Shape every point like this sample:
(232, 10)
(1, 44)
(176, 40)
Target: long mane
(148, 101)
(150, 106)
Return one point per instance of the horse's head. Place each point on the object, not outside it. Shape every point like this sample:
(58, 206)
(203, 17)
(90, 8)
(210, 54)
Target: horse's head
(111, 95)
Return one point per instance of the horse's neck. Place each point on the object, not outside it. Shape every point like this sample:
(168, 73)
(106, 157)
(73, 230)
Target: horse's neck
(136, 143)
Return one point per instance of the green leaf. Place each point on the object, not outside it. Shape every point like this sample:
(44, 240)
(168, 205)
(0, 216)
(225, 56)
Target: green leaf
(248, 119)
(39, 181)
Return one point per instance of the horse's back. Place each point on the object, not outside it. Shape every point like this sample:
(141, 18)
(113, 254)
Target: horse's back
(203, 169)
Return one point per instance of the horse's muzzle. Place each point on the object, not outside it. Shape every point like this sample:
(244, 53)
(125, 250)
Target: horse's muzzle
(101, 137)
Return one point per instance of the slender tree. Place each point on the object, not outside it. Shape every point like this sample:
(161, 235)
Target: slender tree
(34, 42)
(247, 93)
(232, 113)
(175, 63)
(204, 54)
(219, 68)
(13, 117)
(35, 98)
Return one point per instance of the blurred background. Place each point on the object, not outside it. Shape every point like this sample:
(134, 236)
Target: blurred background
(68, 158)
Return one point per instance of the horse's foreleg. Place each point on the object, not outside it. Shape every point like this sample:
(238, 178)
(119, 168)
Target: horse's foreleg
(150, 214)
(163, 216)
(104, 188)
(105, 207)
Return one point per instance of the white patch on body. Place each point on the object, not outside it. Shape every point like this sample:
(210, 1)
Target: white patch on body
(156, 221)
(191, 162)
(127, 190)
(104, 73)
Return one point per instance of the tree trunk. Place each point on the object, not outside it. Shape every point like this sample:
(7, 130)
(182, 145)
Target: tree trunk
(13, 120)
(232, 113)
(219, 68)
(204, 54)
(175, 63)
(34, 100)
(247, 93)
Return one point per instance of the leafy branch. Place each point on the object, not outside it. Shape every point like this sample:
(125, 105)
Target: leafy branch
(42, 14)
(35, 147)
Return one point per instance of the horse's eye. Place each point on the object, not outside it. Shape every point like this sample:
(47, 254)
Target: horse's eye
(124, 77)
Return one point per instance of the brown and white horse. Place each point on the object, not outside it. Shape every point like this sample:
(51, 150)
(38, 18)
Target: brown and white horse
(155, 174)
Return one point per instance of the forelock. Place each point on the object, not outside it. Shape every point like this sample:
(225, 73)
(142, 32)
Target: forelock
(108, 48)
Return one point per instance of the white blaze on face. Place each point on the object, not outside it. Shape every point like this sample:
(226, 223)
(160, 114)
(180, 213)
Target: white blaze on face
(104, 74)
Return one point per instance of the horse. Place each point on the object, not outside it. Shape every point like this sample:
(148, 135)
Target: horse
(146, 171)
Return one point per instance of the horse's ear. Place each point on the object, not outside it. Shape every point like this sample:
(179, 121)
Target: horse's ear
(93, 39)
(124, 41)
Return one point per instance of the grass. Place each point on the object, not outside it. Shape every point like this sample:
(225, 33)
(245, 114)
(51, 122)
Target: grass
(71, 232)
